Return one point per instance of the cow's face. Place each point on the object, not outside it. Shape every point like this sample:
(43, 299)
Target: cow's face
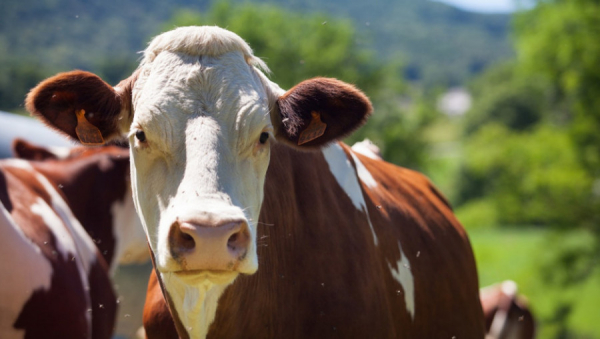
(200, 117)
(199, 142)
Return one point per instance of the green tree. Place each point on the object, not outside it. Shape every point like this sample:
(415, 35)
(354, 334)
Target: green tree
(504, 97)
(531, 178)
(558, 39)
(532, 154)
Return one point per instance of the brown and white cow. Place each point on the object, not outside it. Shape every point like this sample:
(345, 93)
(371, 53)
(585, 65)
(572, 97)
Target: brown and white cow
(344, 246)
(63, 222)
(507, 314)
(97, 186)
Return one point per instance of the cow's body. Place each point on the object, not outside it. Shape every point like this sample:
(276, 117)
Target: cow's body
(507, 314)
(345, 247)
(64, 221)
(323, 274)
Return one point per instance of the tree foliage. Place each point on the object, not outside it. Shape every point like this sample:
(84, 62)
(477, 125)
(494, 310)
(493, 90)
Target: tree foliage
(532, 154)
(558, 39)
(504, 97)
(533, 178)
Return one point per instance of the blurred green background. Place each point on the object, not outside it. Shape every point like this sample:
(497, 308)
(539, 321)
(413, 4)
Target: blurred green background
(501, 111)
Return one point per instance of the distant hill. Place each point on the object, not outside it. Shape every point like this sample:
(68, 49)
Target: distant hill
(438, 44)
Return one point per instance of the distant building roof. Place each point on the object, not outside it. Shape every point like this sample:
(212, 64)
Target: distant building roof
(455, 102)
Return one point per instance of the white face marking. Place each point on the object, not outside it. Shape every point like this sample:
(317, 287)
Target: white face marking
(201, 145)
(131, 244)
(344, 173)
(29, 271)
(403, 275)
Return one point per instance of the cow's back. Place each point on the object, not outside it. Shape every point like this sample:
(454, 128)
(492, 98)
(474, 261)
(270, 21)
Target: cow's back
(410, 215)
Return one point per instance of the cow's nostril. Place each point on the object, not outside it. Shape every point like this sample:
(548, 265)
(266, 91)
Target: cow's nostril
(238, 242)
(187, 237)
(187, 241)
(181, 240)
(231, 242)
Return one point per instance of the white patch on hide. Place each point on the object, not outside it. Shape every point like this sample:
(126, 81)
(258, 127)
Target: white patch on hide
(344, 173)
(368, 149)
(403, 275)
(364, 174)
(26, 270)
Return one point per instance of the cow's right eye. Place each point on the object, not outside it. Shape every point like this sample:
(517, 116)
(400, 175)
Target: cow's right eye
(141, 136)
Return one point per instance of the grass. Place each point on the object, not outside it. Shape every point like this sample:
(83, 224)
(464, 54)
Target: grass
(525, 255)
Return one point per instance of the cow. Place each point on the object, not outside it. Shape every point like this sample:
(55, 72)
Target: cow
(507, 314)
(367, 148)
(67, 221)
(260, 223)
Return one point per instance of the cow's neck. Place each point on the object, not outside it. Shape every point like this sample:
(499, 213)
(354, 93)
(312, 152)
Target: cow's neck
(199, 300)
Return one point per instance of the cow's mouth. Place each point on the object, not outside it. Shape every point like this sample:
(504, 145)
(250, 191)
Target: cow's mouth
(212, 276)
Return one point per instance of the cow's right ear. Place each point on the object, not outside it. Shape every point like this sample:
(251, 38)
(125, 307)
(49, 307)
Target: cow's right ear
(83, 106)
(319, 111)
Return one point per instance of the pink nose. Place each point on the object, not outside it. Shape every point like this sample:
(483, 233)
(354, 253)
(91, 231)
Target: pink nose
(218, 247)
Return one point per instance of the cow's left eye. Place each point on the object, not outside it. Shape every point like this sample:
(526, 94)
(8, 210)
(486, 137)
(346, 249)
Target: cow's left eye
(264, 136)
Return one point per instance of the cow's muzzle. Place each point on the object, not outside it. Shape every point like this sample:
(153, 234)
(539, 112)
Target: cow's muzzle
(205, 245)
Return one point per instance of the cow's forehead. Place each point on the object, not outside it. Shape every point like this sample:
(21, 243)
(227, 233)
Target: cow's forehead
(182, 87)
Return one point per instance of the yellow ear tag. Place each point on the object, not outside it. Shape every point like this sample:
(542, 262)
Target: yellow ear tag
(88, 134)
(315, 129)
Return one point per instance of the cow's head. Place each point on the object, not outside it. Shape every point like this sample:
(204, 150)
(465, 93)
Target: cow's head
(200, 117)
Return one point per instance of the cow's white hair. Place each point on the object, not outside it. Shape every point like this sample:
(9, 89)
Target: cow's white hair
(201, 40)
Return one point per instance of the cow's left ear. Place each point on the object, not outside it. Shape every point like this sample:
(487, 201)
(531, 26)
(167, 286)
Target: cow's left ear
(318, 111)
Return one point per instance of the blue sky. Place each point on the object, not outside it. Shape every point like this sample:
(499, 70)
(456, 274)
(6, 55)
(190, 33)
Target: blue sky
(485, 6)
